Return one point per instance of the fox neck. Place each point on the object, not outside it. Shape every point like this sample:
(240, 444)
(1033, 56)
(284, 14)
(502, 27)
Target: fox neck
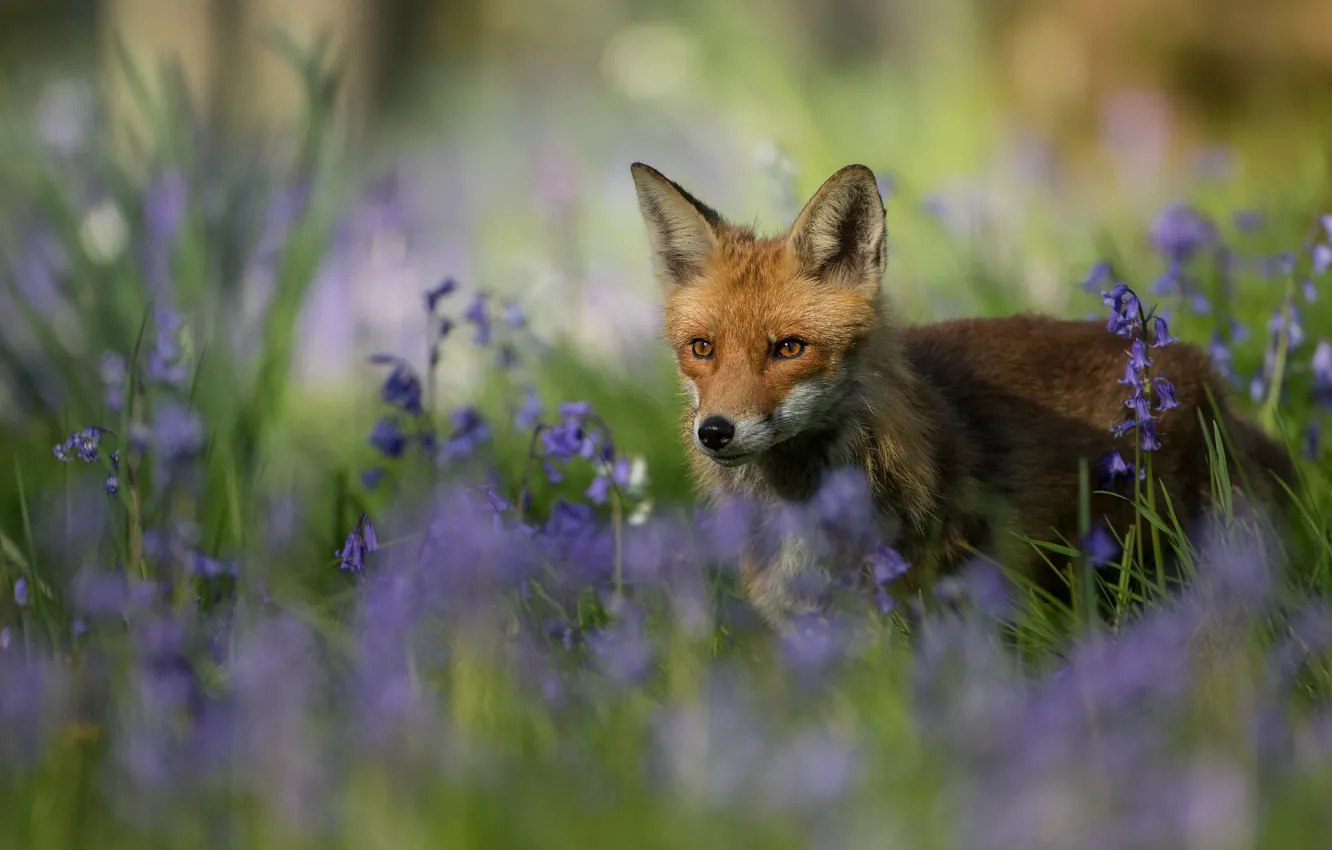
(888, 426)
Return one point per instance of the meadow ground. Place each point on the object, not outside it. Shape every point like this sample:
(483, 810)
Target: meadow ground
(237, 616)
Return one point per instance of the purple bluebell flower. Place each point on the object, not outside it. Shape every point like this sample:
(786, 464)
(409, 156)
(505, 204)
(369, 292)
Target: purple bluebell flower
(1111, 467)
(479, 317)
(529, 411)
(1308, 291)
(1320, 367)
(114, 372)
(112, 485)
(1294, 327)
(599, 490)
(361, 541)
(887, 565)
(387, 438)
(1180, 232)
(1150, 441)
(1099, 546)
(1138, 358)
(177, 431)
(83, 445)
(1162, 333)
(433, 295)
(402, 387)
(470, 432)
(1248, 220)
(1097, 277)
(1165, 395)
(21, 591)
(513, 314)
(167, 364)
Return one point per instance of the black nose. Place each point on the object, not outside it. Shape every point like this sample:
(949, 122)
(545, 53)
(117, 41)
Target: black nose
(716, 432)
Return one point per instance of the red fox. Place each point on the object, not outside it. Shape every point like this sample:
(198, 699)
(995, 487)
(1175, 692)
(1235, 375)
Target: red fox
(967, 430)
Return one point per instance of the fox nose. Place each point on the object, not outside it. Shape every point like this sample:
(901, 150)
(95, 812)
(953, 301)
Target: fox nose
(716, 432)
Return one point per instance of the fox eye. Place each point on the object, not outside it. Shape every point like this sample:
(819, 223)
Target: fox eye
(789, 348)
(701, 348)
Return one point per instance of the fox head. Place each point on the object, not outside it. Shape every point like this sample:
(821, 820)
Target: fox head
(767, 331)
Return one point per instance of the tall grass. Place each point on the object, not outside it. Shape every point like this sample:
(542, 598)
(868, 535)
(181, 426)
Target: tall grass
(524, 640)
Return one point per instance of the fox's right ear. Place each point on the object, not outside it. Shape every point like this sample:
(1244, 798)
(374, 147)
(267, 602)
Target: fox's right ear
(681, 228)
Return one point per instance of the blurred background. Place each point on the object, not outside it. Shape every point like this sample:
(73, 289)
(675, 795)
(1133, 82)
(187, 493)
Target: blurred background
(507, 126)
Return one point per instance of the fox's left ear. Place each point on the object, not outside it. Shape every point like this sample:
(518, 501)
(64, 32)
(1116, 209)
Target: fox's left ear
(681, 228)
(839, 235)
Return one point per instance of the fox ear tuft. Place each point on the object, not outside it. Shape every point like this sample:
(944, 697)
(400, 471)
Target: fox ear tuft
(840, 233)
(681, 228)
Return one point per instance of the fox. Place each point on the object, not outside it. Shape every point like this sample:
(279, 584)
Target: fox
(970, 432)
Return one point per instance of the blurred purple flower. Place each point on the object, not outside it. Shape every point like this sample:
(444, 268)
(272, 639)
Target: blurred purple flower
(402, 387)
(21, 591)
(433, 295)
(166, 361)
(1100, 546)
(470, 432)
(1322, 258)
(82, 445)
(177, 430)
(529, 411)
(513, 315)
(387, 438)
(1180, 232)
(114, 372)
(478, 316)
(361, 541)
(165, 206)
(1248, 220)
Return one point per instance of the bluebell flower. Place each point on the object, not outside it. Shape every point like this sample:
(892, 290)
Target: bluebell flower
(1180, 232)
(1111, 467)
(361, 541)
(477, 315)
(1150, 442)
(529, 412)
(886, 565)
(402, 387)
(21, 591)
(1320, 367)
(166, 360)
(82, 445)
(433, 295)
(388, 438)
(1097, 277)
(1162, 333)
(1248, 220)
(470, 432)
(1322, 258)
(114, 371)
(371, 477)
(599, 490)
(1099, 546)
(1165, 395)
(1138, 356)
(513, 315)
(176, 430)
